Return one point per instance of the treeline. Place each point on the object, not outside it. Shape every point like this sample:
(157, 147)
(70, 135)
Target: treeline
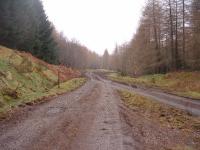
(25, 26)
(72, 54)
(168, 39)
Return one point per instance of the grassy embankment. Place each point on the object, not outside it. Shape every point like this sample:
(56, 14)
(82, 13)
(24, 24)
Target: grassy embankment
(26, 79)
(180, 83)
(162, 114)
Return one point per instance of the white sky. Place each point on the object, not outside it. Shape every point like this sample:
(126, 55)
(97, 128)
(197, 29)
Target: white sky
(97, 24)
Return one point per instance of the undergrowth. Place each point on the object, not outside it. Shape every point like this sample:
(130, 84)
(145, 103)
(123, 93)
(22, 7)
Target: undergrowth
(164, 114)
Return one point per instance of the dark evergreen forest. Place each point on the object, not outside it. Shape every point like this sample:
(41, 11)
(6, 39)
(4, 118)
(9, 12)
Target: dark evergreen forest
(25, 26)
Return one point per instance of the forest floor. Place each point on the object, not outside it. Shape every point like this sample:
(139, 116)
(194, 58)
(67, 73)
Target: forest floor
(101, 115)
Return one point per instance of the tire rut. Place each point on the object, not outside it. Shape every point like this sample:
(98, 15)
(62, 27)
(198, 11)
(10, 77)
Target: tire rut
(52, 125)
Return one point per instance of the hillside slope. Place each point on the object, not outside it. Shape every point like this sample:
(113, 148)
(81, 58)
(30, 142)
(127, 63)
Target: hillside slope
(24, 78)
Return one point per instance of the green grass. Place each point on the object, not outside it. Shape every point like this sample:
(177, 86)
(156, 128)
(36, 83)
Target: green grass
(165, 115)
(33, 97)
(68, 86)
(24, 79)
(180, 83)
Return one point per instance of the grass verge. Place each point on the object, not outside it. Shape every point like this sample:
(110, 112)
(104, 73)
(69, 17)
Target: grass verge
(162, 113)
(38, 97)
(149, 113)
(27, 79)
(185, 84)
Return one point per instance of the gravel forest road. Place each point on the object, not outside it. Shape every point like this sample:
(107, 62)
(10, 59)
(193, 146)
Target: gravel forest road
(89, 118)
(86, 119)
(186, 104)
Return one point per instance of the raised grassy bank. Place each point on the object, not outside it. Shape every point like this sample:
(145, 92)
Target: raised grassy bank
(26, 79)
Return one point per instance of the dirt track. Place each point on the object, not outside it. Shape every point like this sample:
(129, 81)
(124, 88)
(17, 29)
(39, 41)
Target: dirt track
(87, 119)
(186, 104)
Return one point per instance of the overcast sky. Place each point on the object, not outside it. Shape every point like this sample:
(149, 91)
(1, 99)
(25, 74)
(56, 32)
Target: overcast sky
(97, 24)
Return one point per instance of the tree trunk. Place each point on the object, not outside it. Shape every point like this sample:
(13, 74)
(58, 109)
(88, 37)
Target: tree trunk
(176, 42)
(171, 36)
(183, 59)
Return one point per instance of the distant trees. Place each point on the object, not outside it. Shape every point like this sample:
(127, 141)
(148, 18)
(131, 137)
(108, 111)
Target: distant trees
(115, 59)
(167, 39)
(105, 63)
(72, 54)
(25, 26)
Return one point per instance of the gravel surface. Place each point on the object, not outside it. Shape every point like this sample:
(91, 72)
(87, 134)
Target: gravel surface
(90, 118)
(186, 104)
(86, 119)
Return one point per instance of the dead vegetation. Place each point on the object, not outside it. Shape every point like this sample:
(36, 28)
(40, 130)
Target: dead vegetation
(185, 84)
(149, 115)
(10, 92)
(166, 115)
(24, 78)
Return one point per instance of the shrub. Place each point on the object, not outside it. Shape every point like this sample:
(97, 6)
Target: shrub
(1, 103)
(10, 92)
(25, 66)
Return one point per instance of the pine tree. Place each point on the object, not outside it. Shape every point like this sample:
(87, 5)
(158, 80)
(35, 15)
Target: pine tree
(25, 26)
(106, 60)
